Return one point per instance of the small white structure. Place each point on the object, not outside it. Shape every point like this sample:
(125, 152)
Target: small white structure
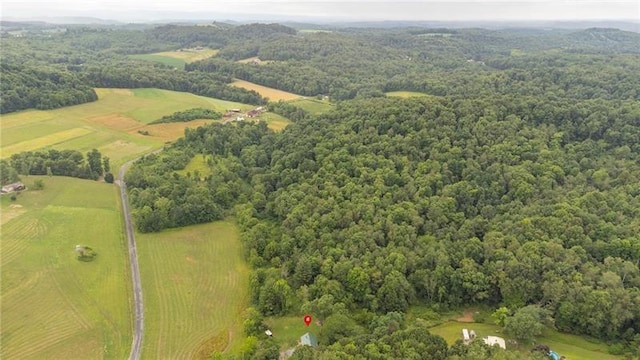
(269, 333)
(472, 333)
(465, 336)
(495, 340)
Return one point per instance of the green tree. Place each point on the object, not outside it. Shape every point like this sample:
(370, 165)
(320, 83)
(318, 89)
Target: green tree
(527, 323)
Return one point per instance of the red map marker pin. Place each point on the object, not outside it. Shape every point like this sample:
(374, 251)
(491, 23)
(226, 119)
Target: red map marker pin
(307, 320)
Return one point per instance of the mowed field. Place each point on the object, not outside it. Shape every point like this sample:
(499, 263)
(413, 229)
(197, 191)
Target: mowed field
(407, 94)
(270, 93)
(177, 59)
(112, 124)
(572, 347)
(53, 305)
(196, 286)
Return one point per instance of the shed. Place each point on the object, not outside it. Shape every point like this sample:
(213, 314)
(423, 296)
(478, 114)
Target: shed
(495, 340)
(309, 339)
(465, 336)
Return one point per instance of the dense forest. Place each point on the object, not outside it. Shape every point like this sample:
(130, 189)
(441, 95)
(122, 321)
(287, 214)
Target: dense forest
(512, 184)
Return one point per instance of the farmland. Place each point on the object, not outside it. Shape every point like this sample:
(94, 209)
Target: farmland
(177, 59)
(195, 289)
(270, 93)
(51, 302)
(313, 106)
(407, 94)
(111, 124)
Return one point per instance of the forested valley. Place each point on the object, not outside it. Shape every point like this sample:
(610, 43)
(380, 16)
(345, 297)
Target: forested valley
(513, 183)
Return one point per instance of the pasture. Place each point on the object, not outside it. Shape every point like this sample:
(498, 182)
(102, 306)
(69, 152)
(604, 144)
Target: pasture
(407, 94)
(267, 92)
(572, 347)
(111, 124)
(313, 106)
(53, 305)
(177, 59)
(196, 287)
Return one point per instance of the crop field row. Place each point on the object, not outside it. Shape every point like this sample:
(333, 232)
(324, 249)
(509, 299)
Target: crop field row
(195, 285)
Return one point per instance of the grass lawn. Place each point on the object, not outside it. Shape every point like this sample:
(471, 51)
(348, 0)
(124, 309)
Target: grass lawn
(177, 59)
(270, 93)
(196, 287)
(51, 302)
(111, 124)
(197, 163)
(572, 347)
(288, 329)
(407, 94)
(313, 106)
(274, 121)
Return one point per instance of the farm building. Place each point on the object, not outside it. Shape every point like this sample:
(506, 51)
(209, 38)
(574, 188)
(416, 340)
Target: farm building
(309, 339)
(18, 186)
(495, 340)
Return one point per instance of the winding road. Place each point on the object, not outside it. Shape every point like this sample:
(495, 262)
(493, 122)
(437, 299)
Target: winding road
(138, 306)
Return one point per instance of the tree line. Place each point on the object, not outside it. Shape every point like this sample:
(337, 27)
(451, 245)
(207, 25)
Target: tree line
(60, 163)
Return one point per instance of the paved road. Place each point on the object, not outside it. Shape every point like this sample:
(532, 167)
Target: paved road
(138, 306)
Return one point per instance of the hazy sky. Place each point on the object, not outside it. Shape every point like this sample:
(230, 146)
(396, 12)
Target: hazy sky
(340, 10)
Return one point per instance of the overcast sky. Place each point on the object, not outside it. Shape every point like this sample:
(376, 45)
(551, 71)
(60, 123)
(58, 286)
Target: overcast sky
(131, 10)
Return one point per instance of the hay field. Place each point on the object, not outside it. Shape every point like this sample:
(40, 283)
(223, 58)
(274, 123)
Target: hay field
(196, 286)
(407, 94)
(270, 93)
(177, 59)
(54, 306)
(313, 106)
(110, 124)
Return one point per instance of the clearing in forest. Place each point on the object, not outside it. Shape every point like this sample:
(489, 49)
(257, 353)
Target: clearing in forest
(407, 94)
(53, 305)
(196, 287)
(267, 92)
(114, 124)
(313, 106)
(177, 58)
(570, 346)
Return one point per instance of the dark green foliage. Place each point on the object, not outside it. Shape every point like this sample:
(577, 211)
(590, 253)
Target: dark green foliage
(42, 87)
(55, 162)
(188, 115)
(38, 184)
(108, 178)
(8, 174)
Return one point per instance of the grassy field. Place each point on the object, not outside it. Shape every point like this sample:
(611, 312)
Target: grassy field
(177, 59)
(54, 306)
(111, 124)
(270, 93)
(288, 329)
(275, 121)
(313, 106)
(572, 347)
(407, 94)
(199, 164)
(196, 286)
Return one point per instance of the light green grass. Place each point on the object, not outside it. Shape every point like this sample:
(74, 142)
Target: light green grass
(407, 94)
(195, 285)
(274, 121)
(287, 330)
(177, 59)
(572, 347)
(54, 306)
(313, 106)
(198, 163)
(170, 61)
(110, 124)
